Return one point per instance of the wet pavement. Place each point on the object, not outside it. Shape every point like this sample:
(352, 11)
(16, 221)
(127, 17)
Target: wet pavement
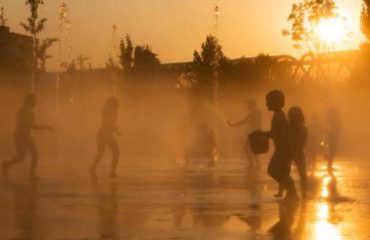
(166, 202)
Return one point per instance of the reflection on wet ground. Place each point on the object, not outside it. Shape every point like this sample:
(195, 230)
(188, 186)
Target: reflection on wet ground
(159, 202)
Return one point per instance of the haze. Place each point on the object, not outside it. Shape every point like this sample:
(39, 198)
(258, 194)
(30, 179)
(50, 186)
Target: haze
(175, 28)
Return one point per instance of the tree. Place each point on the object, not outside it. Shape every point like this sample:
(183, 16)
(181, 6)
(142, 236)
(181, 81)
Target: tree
(365, 19)
(111, 64)
(70, 67)
(305, 18)
(3, 20)
(41, 52)
(126, 56)
(144, 57)
(34, 26)
(206, 66)
(138, 61)
(248, 73)
(81, 62)
(263, 64)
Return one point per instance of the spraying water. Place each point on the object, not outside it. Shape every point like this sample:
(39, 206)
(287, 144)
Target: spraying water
(64, 47)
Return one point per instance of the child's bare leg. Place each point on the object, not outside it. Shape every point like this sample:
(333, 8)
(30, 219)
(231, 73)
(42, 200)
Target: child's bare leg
(115, 156)
(288, 184)
(301, 166)
(280, 193)
(20, 154)
(97, 159)
(7, 164)
(276, 176)
(256, 161)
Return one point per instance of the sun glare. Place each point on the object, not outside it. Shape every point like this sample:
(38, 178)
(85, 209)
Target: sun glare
(332, 31)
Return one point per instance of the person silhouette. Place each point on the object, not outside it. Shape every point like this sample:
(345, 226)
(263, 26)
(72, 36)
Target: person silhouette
(253, 119)
(105, 137)
(23, 139)
(298, 138)
(314, 140)
(333, 129)
(279, 166)
(209, 144)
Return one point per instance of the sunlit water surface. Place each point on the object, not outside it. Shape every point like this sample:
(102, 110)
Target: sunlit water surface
(151, 201)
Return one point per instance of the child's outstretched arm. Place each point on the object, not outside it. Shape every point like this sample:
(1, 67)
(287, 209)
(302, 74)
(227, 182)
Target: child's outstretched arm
(275, 132)
(36, 126)
(237, 124)
(42, 127)
(269, 134)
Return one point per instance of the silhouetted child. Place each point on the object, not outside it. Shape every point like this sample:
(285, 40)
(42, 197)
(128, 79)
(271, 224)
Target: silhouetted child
(314, 141)
(208, 141)
(253, 119)
(23, 137)
(279, 166)
(332, 133)
(298, 138)
(106, 137)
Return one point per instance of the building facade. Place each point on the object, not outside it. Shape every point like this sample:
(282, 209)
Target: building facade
(16, 51)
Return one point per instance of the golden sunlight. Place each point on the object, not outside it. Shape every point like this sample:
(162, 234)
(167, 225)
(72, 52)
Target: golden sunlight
(332, 31)
(325, 186)
(324, 230)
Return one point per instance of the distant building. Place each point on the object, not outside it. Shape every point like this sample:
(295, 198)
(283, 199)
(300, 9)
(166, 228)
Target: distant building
(16, 52)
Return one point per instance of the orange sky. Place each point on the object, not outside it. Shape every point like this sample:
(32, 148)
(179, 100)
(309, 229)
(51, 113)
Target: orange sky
(175, 28)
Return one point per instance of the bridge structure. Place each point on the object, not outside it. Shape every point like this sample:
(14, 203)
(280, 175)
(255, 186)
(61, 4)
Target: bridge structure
(327, 67)
(330, 66)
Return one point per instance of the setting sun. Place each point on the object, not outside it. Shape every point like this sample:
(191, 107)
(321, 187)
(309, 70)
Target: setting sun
(332, 31)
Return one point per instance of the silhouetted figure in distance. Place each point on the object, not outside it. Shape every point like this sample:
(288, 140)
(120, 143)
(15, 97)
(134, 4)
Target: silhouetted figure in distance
(314, 141)
(279, 166)
(253, 119)
(298, 138)
(23, 138)
(208, 141)
(332, 133)
(106, 137)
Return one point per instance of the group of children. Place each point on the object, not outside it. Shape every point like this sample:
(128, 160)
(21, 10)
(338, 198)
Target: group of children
(24, 141)
(289, 137)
